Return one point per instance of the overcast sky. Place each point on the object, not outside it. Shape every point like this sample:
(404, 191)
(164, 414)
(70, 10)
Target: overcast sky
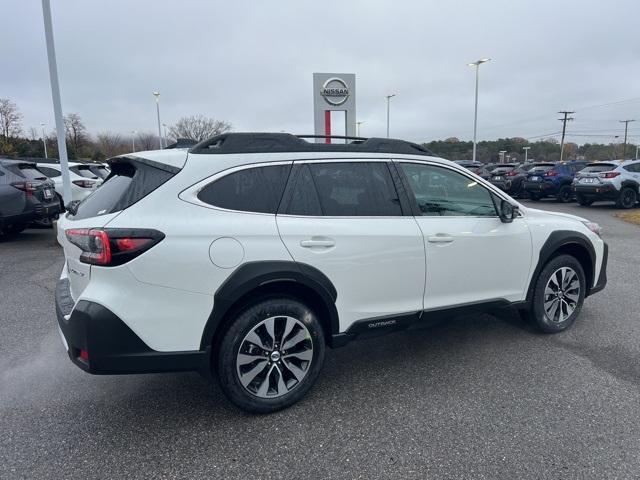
(251, 63)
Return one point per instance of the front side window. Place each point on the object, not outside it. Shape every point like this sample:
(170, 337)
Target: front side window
(442, 192)
(256, 189)
(353, 189)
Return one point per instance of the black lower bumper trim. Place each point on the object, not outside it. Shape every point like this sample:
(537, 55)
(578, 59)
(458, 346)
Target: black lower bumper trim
(113, 348)
(602, 277)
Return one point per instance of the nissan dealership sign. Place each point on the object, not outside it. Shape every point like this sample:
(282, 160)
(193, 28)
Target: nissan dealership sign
(335, 91)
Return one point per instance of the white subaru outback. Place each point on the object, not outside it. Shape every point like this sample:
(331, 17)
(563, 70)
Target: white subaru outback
(251, 253)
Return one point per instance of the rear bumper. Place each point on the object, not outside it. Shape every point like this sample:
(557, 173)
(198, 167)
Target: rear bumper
(24, 217)
(543, 188)
(112, 347)
(47, 210)
(604, 192)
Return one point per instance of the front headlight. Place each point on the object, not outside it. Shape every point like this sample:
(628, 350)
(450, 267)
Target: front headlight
(594, 227)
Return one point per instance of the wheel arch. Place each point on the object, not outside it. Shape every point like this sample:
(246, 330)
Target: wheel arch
(254, 281)
(630, 183)
(566, 242)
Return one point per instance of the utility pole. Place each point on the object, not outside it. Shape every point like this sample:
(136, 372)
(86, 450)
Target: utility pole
(564, 121)
(626, 127)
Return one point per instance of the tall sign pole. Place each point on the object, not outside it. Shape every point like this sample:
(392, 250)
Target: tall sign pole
(57, 105)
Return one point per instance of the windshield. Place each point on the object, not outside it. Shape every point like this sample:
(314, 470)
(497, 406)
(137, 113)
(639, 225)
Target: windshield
(542, 167)
(100, 171)
(30, 172)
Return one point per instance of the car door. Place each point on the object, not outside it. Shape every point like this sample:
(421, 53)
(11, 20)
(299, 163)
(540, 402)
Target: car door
(345, 219)
(471, 256)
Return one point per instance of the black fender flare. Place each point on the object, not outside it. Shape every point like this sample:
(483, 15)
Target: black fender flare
(253, 275)
(630, 183)
(557, 240)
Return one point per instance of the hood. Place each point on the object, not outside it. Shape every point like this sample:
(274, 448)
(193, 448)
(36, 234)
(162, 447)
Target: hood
(557, 214)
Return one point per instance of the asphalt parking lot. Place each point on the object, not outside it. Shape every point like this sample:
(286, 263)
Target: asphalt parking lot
(475, 397)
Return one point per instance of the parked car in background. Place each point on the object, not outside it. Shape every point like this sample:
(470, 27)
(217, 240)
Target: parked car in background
(83, 180)
(552, 180)
(25, 195)
(509, 177)
(476, 167)
(617, 181)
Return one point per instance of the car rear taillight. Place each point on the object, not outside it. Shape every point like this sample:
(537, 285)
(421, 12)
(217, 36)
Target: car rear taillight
(609, 174)
(551, 173)
(512, 173)
(112, 246)
(84, 183)
(28, 187)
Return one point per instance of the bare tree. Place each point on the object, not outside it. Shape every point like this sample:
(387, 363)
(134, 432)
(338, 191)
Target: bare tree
(198, 127)
(146, 141)
(33, 133)
(111, 144)
(76, 132)
(10, 118)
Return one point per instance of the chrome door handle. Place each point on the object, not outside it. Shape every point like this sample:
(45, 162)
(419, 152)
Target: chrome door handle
(317, 243)
(440, 238)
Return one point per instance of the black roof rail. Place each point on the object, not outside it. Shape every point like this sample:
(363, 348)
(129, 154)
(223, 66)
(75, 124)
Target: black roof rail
(287, 142)
(182, 143)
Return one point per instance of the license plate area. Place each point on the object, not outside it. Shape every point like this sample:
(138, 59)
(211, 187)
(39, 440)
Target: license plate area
(48, 193)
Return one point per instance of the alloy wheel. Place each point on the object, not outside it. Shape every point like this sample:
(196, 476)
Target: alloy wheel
(274, 357)
(561, 294)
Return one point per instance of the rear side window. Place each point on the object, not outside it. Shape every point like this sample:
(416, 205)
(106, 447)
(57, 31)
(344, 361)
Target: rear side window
(130, 181)
(355, 189)
(302, 197)
(634, 167)
(257, 189)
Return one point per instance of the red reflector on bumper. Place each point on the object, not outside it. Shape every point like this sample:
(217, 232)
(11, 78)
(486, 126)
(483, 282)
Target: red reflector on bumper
(84, 355)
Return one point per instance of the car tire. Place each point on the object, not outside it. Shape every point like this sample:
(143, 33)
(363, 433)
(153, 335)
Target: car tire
(558, 294)
(270, 355)
(585, 202)
(627, 198)
(535, 197)
(564, 194)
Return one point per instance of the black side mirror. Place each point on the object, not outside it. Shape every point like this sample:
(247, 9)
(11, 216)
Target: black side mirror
(508, 211)
(72, 207)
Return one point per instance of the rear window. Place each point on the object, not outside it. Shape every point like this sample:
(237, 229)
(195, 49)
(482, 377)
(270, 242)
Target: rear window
(129, 183)
(257, 189)
(100, 171)
(28, 171)
(599, 167)
(83, 171)
(542, 167)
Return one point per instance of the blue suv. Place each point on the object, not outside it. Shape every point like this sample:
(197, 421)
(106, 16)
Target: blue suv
(552, 180)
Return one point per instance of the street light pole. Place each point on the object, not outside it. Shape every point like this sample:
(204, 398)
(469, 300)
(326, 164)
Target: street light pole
(526, 152)
(475, 114)
(157, 95)
(358, 128)
(57, 104)
(389, 97)
(44, 141)
(133, 140)
(166, 142)
(502, 152)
